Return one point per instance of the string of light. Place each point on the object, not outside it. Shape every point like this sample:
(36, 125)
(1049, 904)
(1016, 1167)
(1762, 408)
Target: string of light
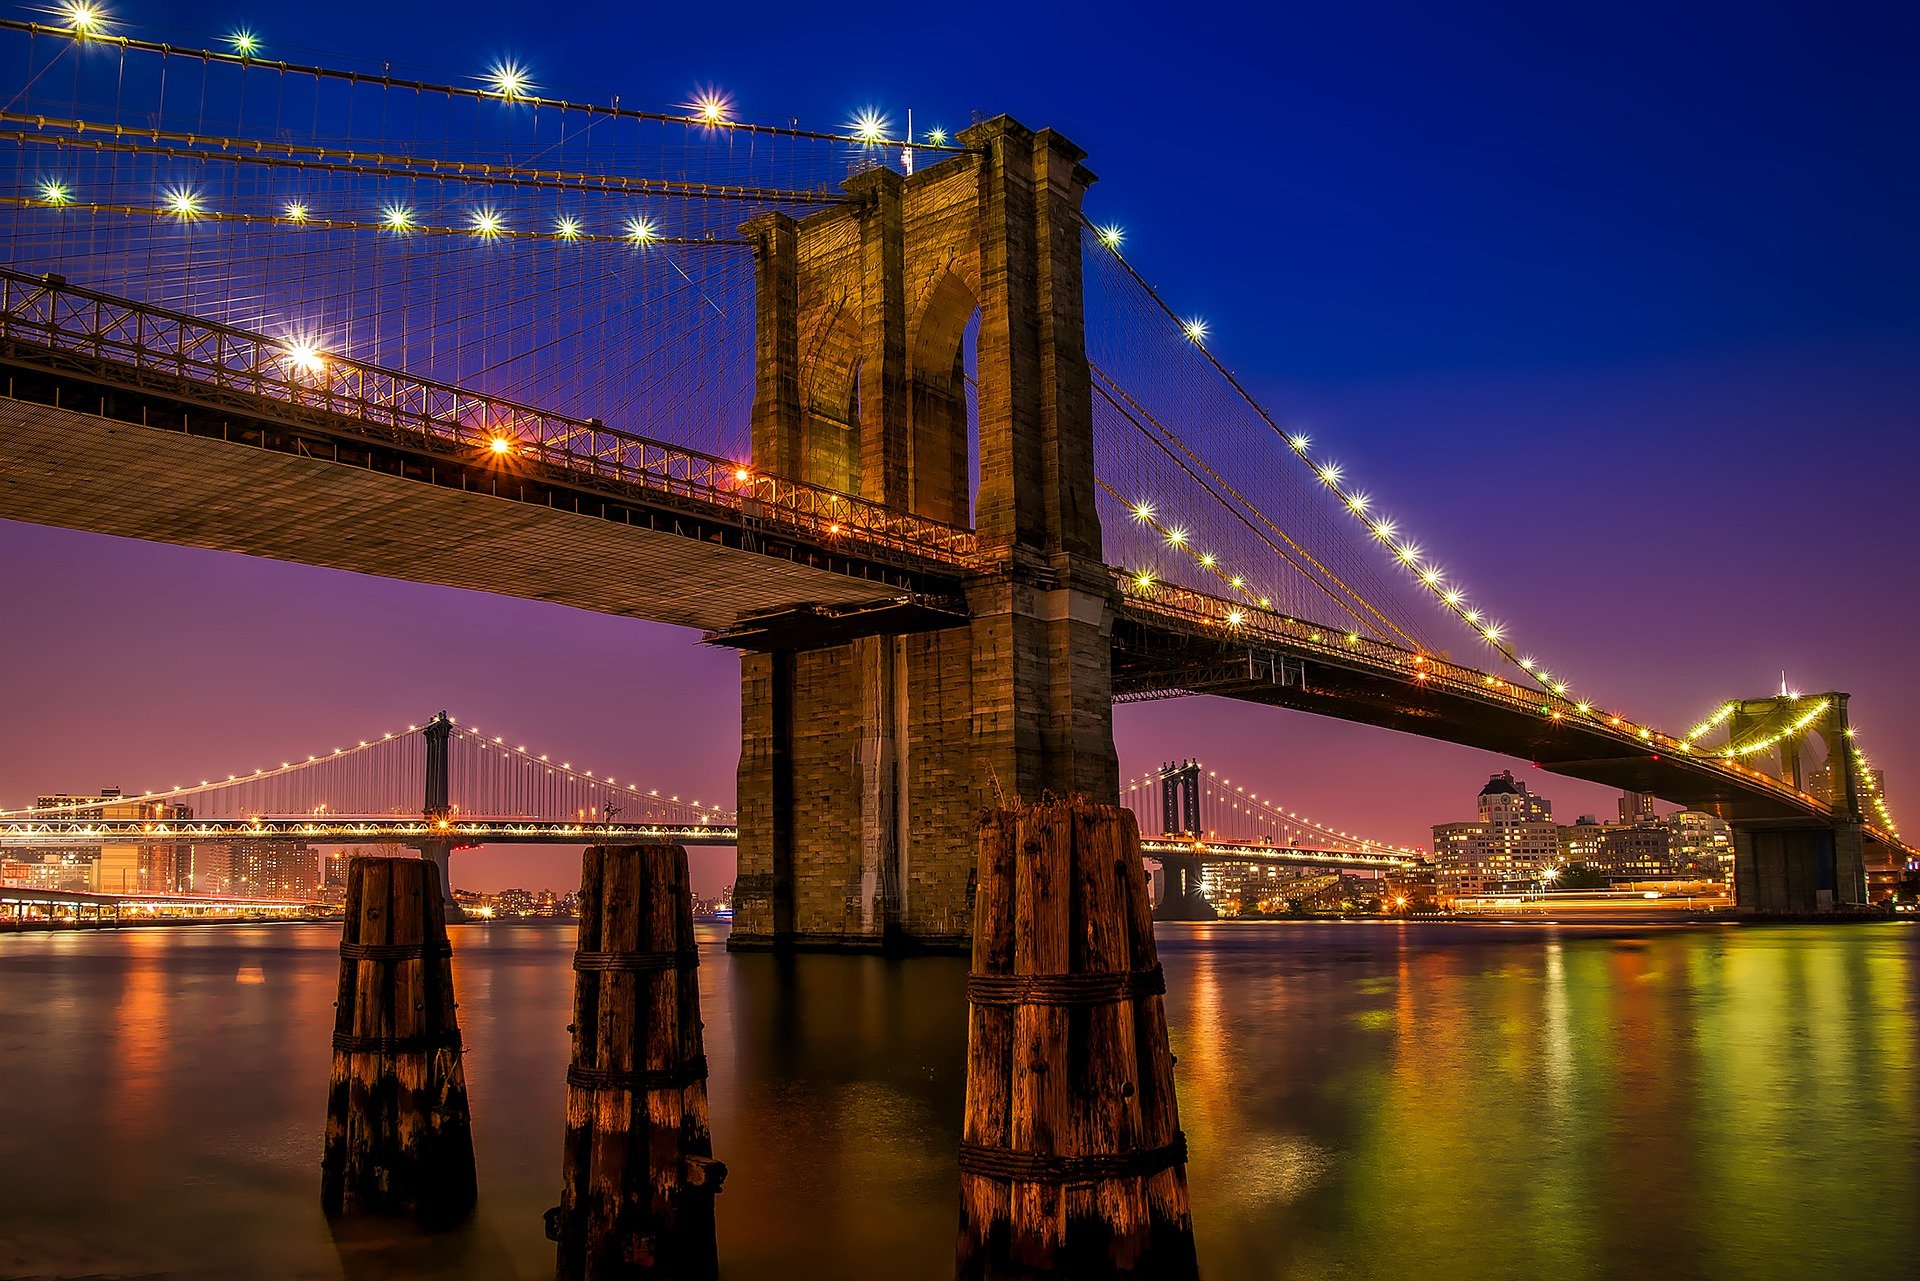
(1146, 783)
(709, 813)
(277, 153)
(1323, 578)
(1407, 554)
(1281, 814)
(183, 204)
(1764, 742)
(261, 774)
(505, 81)
(1870, 784)
(1712, 722)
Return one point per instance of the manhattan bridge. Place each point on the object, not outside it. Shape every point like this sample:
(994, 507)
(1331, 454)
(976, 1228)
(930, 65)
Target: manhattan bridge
(893, 415)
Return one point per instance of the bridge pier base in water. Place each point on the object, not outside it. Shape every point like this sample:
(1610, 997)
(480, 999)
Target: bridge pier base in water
(1181, 895)
(1799, 871)
(639, 1177)
(440, 854)
(398, 1140)
(1072, 1163)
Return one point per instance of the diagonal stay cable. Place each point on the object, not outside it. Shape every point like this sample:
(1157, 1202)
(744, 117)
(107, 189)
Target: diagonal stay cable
(1109, 389)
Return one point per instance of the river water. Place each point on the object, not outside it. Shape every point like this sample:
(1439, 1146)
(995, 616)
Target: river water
(1361, 1101)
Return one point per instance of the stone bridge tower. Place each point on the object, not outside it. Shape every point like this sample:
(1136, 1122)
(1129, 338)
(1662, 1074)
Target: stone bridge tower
(863, 764)
(1801, 868)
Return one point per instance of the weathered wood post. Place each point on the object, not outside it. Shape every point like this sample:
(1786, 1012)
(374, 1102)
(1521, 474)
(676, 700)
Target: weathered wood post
(399, 1139)
(1072, 1163)
(640, 1178)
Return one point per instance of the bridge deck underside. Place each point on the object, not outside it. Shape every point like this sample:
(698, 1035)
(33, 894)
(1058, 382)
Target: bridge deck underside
(373, 515)
(1150, 654)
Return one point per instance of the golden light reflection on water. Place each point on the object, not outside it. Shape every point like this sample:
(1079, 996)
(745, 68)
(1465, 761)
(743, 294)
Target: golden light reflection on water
(1465, 1102)
(1361, 1101)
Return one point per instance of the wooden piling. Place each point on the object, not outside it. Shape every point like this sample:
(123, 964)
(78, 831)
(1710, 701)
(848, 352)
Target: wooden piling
(639, 1176)
(399, 1140)
(1072, 1163)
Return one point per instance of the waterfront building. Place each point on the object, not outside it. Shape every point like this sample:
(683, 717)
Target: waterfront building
(1580, 841)
(274, 869)
(1507, 848)
(49, 869)
(1237, 889)
(124, 868)
(1702, 846)
(1639, 852)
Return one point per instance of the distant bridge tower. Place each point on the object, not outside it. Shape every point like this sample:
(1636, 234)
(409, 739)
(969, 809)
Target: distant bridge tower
(863, 762)
(1182, 897)
(1797, 867)
(438, 805)
(1180, 798)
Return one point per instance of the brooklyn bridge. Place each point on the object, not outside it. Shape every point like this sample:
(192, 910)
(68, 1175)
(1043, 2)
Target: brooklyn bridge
(892, 415)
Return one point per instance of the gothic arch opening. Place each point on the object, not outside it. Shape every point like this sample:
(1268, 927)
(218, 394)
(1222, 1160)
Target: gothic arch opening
(944, 433)
(830, 404)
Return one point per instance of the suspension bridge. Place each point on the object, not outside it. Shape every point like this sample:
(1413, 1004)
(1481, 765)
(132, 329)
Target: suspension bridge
(441, 785)
(895, 417)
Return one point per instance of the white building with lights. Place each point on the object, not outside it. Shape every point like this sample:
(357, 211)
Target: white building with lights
(1508, 848)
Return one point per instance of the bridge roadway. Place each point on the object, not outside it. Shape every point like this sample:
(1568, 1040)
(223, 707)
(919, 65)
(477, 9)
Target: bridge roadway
(29, 832)
(19, 896)
(126, 419)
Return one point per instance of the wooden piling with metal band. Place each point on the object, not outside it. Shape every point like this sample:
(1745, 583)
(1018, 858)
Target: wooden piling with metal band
(639, 1176)
(399, 1139)
(1072, 1161)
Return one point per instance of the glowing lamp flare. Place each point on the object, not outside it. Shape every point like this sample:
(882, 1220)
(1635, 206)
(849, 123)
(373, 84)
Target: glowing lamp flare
(567, 229)
(500, 445)
(296, 212)
(640, 231)
(84, 19)
(181, 202)
(509, 79)
(397, 218)
(487, 224)
(305, 357)
(1110, 235)
(56, 193)
(244, 42)
(1195, 330)
(711, 107)
(870, 126)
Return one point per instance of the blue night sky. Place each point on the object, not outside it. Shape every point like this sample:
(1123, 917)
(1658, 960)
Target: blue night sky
(1613, 305)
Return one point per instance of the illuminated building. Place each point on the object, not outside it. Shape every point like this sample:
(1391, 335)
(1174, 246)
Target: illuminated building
(125, 868)
(1686, 846)
(1238, 888)
(1702, 845)
(274, 869)
(1640, 852)
(1636, 808)
(1508, 848)
(1580, 843)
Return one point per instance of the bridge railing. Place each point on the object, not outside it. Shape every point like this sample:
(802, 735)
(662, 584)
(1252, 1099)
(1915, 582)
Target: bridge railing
(1230, 620)
(51, 313)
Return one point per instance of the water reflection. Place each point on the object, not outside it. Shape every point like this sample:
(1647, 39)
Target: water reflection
(1362, 1101)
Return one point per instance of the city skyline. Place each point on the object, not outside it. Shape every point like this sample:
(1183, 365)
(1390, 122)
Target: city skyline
(1566, 358)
